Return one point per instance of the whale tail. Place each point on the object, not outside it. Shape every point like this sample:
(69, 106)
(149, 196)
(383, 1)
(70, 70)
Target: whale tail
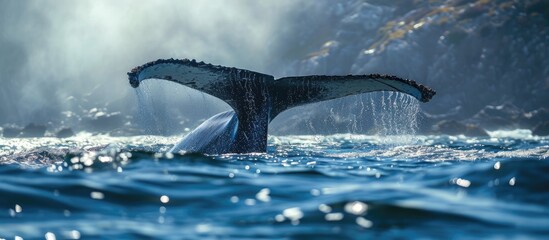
(258, 98)
(290, 92)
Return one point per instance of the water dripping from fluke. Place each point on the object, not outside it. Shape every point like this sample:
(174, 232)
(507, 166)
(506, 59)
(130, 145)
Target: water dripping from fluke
(394, 117)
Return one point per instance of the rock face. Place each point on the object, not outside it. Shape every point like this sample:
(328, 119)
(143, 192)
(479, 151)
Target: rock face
(508, 116)
(502, 116)
(488, 58)
(452, 127)
(542, 129)
(536, 117)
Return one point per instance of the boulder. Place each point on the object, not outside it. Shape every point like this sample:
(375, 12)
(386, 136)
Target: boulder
(103, 122)
(11, 131)
(505, 116)
(426, 120)
(452, 127)
(33, 130)
(64, 133)
(508, 116)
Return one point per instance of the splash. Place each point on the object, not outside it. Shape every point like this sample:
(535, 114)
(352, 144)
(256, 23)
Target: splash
(146, 117)
(394, 117)
(394, 113)
(390, 116)
(157, 108)
(165, 108)
(385, 115)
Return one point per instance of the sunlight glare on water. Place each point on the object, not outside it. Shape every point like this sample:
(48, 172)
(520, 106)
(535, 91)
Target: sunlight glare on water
(315, 186)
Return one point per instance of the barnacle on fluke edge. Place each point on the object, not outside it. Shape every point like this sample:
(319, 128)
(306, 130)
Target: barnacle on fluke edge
(134, 73)
(426, 92)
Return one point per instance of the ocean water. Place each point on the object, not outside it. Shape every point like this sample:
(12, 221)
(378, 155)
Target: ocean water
(306, 187)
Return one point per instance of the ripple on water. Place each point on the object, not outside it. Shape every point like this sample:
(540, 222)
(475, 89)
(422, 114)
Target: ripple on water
(340, 186)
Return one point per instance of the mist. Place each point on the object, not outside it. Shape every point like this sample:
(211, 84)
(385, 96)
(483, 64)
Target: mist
(73, 55)
(64, 62)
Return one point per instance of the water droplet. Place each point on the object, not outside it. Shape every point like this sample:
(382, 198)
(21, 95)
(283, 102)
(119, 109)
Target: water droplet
(203, 228)
(279, 218)
(75, 234)
(356, 207)
(497, 165)
(17, 238)
(512, 181)
(50, 236)
(363, 222)
(87, 162)
(164, 199)
(263, 195)
(293, 214)
(315, 192)
(333, 216)
(324, 208)
(18, 208)
(97, 195)
(75, 160)
(162, 210)
(462, 182)
(249, 202)
(234, 199)
(105, 159)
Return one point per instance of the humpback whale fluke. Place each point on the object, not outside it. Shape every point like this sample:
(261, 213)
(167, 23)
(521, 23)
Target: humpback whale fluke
(258, 98)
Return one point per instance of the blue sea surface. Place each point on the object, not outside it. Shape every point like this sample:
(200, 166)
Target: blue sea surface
(306, 187)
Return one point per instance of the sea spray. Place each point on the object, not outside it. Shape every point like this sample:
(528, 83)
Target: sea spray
(395, 116)
(145, 117)
(165, 108)
(391, 116)
(155, 112)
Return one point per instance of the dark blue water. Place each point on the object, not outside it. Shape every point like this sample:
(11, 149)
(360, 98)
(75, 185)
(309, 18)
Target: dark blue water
(306, 187)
